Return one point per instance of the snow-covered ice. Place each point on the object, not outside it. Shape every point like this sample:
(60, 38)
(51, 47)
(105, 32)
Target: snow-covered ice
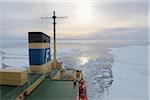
(130, 73)
(119, 73)
(14, 57)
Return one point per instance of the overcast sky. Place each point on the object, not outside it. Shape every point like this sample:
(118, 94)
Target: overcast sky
(100, 20)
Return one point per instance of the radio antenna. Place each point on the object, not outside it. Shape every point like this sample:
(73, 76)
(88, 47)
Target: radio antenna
(54, 30)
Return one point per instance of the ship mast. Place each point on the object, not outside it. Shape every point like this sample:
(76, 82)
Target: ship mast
(54, 30)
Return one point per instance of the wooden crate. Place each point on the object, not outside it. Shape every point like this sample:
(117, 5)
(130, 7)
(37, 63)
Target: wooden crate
(13, 77)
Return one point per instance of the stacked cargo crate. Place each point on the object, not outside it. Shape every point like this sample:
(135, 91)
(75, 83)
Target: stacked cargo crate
(13, 77)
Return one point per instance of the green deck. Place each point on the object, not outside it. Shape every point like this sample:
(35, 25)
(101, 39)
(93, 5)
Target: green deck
(54, 90)
(4, 90)
(47, 90)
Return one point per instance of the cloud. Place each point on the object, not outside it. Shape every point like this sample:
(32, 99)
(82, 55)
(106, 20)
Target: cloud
(122, 34)
(112, 19)
(107, 1)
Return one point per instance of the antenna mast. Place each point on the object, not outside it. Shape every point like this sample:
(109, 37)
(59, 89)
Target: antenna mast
(54, 30)
(54, 27)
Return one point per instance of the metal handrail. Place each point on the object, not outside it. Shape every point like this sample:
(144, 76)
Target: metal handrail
(15, 92)
(18, 90)
(34, 78)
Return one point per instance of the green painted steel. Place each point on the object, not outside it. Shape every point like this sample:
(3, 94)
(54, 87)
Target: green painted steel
(54, 90)
(18, 90)
(51, 74)
(47, 90)
(11, 92)
(33, 77)
(4, 90)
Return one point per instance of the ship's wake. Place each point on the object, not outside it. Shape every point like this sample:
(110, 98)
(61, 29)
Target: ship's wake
(96, 64)
(97, 68)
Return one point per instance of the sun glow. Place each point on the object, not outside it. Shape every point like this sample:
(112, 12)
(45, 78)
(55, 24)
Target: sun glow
(85, 11)
(83, 60)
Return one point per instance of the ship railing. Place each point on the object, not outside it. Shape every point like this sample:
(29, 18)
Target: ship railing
(53, 73)
(15, 92)
(33, 78)
(73, 71)
(18, 90)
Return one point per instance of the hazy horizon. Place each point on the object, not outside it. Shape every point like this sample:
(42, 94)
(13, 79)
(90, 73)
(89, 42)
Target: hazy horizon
(93, 20)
